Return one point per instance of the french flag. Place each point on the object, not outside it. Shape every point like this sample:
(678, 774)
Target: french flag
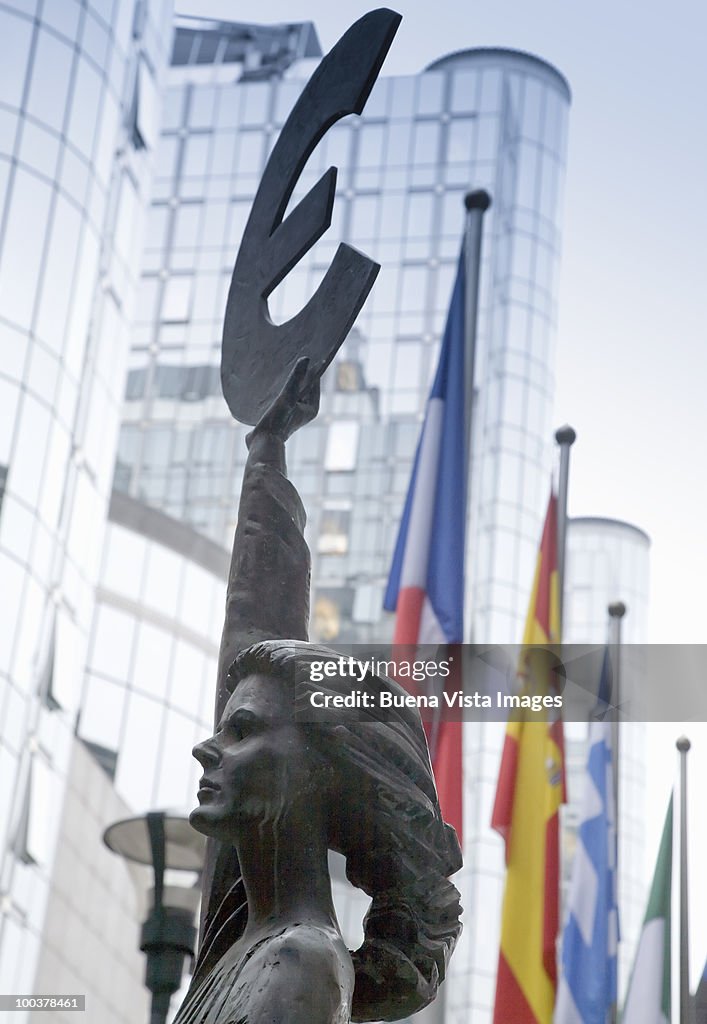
(426, 582)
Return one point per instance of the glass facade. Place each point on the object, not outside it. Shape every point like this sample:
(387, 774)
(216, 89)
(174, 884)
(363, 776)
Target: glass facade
(149, 688)
(78, 125)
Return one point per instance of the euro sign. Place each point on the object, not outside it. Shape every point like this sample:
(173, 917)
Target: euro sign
(257, 355)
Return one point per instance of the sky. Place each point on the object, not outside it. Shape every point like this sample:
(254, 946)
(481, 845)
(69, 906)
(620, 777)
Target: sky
(632, 352)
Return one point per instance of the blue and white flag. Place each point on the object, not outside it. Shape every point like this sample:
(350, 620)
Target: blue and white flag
(587, 989)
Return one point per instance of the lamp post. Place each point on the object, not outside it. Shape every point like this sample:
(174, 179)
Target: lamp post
(168, 935)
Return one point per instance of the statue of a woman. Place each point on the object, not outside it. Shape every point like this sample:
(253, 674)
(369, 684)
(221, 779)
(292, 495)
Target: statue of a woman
(282, 791)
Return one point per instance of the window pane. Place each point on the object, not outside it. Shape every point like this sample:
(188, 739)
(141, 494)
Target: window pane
(48, 92)
(152, 659)
(25, 240)
(414, 289)
(186, 678)
(334, 531)
(370, 145)
(166, 156)
(43, 810)
(464, 85)
(39, 148)
(177, 766)
(124, 554)
(186, 225)
(102, 713)
(26, 472)
(364, 218)
(255, 102)
(16, 33)
(426, 146)
(59, 274)
(69, 656)
(8, 411)
(196, 150)
(250, 152)
(176, 301)
(420, 211)
(430, 93)
(460, 138)
(201, 109)
(342, 446)
(140, 752)
(112, 643)
(88, 90)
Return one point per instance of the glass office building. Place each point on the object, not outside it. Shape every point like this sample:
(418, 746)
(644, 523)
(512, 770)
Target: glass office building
(78, 125)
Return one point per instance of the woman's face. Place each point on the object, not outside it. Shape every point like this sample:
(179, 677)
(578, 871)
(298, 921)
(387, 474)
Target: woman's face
(255, 765)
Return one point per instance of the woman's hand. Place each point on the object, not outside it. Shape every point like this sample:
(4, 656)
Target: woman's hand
(297, 404)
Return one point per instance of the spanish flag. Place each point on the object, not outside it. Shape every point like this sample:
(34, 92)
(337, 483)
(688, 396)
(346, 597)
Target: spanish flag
(531, 788)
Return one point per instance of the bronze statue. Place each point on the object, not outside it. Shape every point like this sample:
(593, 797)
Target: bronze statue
(279, 791)
(281, 794)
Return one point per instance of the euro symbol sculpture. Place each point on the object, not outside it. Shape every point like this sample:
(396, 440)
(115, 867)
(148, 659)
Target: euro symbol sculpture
(259, 355)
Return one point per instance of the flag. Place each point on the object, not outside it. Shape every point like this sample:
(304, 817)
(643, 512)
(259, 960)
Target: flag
(587, 990)
(648, 996)
(526, 813)
(426, 582)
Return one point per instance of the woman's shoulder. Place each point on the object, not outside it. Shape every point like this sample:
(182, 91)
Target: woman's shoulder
(304, 974)
(306, 944)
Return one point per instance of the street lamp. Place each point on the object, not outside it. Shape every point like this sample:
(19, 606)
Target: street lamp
(166, 842)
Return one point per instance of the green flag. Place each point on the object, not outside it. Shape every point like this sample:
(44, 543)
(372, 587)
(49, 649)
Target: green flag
(648, 997)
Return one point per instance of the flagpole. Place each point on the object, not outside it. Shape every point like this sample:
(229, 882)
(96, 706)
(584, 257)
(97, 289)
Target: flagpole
(476, 204)
(617, 610)
(683, 745)
(565, 438)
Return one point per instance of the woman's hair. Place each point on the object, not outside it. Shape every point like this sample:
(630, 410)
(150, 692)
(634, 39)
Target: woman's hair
(384, 816)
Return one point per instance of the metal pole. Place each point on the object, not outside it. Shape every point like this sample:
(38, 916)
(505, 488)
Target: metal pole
(617, 610)
(168, 934)
(476, 204)
(565, 438)
(683, 745)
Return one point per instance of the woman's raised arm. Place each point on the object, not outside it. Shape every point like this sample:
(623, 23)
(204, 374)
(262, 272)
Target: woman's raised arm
(268, 584)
